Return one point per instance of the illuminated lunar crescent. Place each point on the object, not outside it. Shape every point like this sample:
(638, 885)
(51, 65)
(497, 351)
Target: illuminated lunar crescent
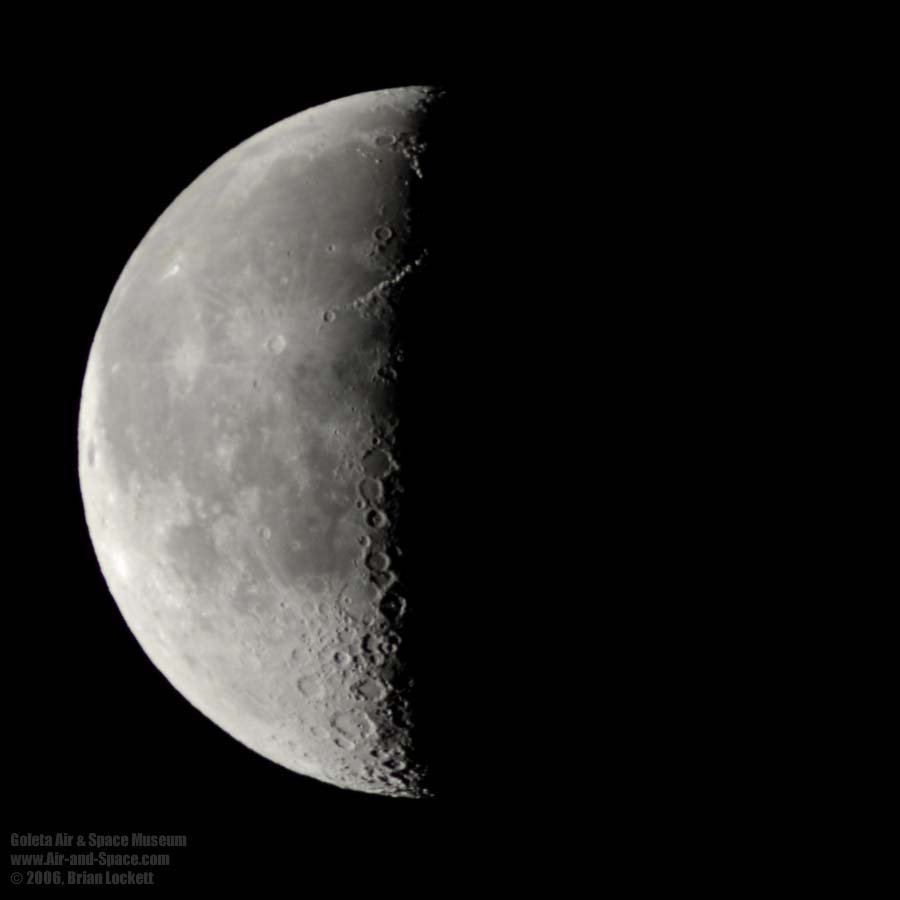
(238, 440)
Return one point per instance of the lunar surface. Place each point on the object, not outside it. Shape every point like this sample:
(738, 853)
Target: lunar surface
(240, 447)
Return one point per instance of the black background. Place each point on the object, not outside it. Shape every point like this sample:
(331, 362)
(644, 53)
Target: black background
(569, 411)
(98, 741)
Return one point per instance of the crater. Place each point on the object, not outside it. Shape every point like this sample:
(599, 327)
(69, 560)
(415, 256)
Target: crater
(376, 463)
(277, 344)
(375, 518)
(378, 562)
(392, 607)
(372, 490)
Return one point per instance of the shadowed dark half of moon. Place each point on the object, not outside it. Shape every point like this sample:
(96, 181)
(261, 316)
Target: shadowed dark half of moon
(277, 427)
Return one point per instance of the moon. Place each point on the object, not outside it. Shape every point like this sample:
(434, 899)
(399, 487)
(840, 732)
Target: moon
(240, 447)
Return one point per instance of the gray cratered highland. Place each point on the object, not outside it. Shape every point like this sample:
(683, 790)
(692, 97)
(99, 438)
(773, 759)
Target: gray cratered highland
(238, 450)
